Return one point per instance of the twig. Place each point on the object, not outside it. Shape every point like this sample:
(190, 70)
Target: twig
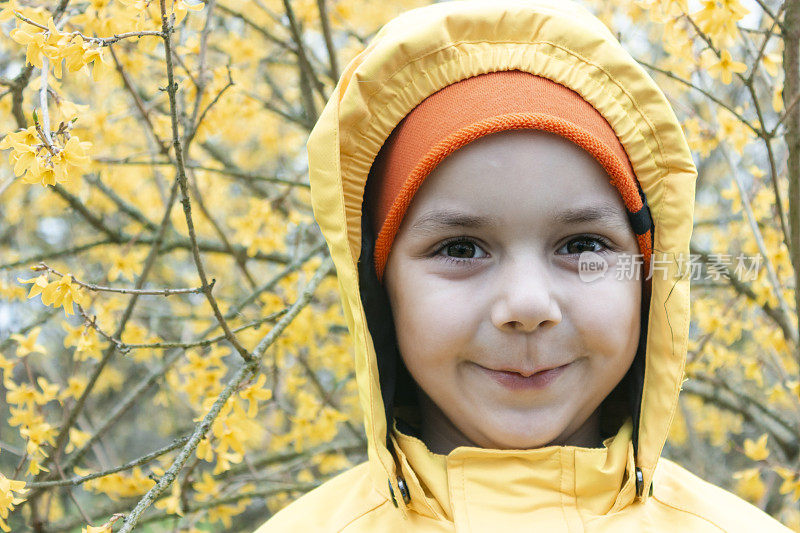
(791, 89)
(196, 123)
(102, 41)
(326, 32)
(306, 123)
(127, 466)
(123, 206)
(766, 136)
(172, 88)
(790, 434)
(79, 207)
(305, 65)
(225, 171)
(71, 495)
(248, 369)
(202, 81)
(109, 352)
(294, 310)
(774, 17)
(272, 458)
(240, 259)
(134, 395)
(771, 274)
(163, 147)
(92, 287)
(178, 244)
(783, 321)
(263, 31)
(327, 397)
(761, 50)
(292, 267)
(705, 93)
(787, 112)
(124, 347)
(43, 102)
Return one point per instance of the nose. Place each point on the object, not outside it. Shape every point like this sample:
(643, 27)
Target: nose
(525, 298)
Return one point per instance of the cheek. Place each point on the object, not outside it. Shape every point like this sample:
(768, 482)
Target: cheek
(607, 314)
(433, 326)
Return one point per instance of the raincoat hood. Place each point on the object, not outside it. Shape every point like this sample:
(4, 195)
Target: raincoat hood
(403, 486)
(426, 49)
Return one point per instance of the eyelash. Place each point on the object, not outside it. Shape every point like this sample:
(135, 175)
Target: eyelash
(605, 243)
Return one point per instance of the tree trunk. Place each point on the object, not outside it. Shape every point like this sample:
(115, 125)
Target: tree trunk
(791, 87)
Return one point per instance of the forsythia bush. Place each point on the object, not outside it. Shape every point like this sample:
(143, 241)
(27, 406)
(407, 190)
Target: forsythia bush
(154, 181)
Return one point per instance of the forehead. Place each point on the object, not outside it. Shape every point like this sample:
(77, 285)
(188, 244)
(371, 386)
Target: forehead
(513, 173)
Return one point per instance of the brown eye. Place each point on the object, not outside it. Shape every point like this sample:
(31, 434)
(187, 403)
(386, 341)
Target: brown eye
(462, 249)
(585, 244)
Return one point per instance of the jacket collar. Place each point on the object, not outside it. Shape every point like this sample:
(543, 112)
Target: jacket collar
(477, 488)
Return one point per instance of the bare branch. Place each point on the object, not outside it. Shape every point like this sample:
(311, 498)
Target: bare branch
(92, 287)
(172, 88)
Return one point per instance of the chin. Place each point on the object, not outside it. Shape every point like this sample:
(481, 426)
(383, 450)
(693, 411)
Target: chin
(503, 439)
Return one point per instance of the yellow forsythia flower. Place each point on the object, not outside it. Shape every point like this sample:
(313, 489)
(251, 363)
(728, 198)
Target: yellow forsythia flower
(75, 387)
(126, 265)
(253, 393)
(757, 451)
(39, 284)
(100, 529)
(27, 345)
(7, 499)
(749, 484)
(71, 159)
(77, 439)
(206, 489)
(37, 164)
(172, 504)
(6, 367)
(49, 391)
(725, 68)
(791, 482)
(23, 143)
(34, 467)
(58, 293)
(771, 63)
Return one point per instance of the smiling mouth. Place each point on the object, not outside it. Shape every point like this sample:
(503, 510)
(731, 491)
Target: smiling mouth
(526, 374)
(514, 379)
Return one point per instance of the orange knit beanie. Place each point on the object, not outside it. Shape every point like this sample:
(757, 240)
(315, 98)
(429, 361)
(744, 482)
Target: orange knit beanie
(488, 103)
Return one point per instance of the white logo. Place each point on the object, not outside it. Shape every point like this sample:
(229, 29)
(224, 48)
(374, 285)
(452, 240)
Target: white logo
(591, 266)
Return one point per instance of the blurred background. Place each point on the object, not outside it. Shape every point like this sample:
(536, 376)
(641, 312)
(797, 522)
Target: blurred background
(161, 272)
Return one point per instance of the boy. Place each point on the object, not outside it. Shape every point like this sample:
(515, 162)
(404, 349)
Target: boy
(480, 174)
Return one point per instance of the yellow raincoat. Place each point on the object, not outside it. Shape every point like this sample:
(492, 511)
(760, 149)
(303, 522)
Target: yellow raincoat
(404, 487)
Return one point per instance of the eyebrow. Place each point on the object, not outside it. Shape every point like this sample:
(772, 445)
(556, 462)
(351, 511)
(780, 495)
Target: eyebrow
(448, 219)
(436, 220)
(602, 212)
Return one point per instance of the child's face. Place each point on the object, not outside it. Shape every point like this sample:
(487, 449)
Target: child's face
(483, 278)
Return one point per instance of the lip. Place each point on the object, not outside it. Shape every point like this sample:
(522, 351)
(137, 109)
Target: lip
(515, 380)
